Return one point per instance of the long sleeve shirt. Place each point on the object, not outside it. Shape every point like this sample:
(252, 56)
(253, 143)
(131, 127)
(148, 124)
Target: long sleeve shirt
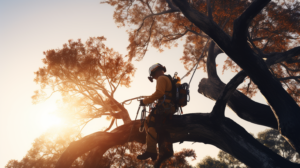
(163, 84)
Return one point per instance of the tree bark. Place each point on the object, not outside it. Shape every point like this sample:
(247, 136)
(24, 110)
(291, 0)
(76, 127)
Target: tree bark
(244, 107)
(225, 134)
(285, 109)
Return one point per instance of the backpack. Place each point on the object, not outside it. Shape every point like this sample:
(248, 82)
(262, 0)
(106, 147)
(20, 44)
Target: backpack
(180, 92)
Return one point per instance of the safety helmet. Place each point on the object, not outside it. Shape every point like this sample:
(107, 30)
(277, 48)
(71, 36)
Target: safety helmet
(155, 67)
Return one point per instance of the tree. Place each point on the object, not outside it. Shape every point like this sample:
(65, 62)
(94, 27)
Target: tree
(260, 37)
(273, 140)
(209, 162)
(115, 157)
(270, 138)
(87, 76)
(48, 147)
(81, 74)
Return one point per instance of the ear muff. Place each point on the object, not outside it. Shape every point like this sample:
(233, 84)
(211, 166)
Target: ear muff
(150, 79)
(164, 68)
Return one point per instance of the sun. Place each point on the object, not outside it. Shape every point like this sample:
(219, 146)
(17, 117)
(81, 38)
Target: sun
(48, 118)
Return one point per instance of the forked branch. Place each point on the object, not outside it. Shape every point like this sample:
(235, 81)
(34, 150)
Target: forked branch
(219, 107)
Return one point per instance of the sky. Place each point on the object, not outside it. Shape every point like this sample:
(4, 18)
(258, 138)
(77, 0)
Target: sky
(27, 28)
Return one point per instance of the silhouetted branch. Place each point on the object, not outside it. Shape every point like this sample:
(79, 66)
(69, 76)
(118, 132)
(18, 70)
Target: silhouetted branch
(199, 34)
(161, 13)
(177, 36)
(241, 24)
(219, 107)
(208, 26)
(226, 135)
(290, 77)
(276, 57)
(111, 124)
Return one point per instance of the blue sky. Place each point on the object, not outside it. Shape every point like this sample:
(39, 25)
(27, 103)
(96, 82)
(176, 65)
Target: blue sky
(27, 28)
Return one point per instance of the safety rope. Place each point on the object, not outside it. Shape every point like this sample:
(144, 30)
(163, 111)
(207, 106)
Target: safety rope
(196, 65)
(143, 118)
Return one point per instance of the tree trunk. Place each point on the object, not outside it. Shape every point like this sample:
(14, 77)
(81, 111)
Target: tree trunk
(225, 134)
(285, 109)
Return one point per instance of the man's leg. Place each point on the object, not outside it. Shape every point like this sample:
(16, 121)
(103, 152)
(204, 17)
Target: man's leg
(151, 141)
(151, 135)
(164, 138)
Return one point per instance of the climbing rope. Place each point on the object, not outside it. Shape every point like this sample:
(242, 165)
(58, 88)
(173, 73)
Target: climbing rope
(196, 65)
(143, 119)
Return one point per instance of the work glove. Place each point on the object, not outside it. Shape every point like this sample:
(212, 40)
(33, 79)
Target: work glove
(142, 103)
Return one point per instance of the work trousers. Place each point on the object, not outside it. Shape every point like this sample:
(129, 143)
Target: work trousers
(154, 126)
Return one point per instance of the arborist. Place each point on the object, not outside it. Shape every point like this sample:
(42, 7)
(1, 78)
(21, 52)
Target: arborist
(163, 110)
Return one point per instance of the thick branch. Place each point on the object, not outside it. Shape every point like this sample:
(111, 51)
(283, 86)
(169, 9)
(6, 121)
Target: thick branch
(244, 107)
(211, 65)
(274, 58)
(204, 23)
(284, 107)
(241, 24)
(226, 135)
(219, 107)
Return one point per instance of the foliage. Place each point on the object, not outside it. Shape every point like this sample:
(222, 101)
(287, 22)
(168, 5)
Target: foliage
(273, 140)
(270, 138)
(209, 162)
(87, 76)
(46, 150)
(275, 29)
(113, 157)
(231, 161)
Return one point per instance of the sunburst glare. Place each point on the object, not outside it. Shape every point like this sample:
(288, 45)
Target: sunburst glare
(48, 117)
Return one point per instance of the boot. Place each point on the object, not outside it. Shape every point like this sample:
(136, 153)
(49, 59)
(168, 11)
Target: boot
(146, 155)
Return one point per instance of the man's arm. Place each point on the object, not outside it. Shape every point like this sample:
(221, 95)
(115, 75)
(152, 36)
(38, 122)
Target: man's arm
(160, 90)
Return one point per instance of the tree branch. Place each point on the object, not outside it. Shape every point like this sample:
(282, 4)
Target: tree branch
(241, 24)
(155, 14)
(219, 107)
(243, 106)
(199, 34)
(174, 38)
(227, 136)
(208, 26)
(275, 57)
(289, 69)
(209, 10)
(211, 65)
(290, 77)
(111, 124)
